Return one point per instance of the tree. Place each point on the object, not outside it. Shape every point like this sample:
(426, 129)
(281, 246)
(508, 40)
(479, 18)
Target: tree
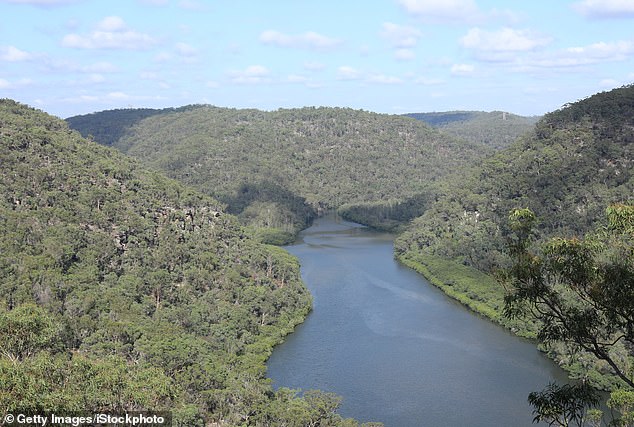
(581, 289)
(623, 402)
(24, 331)
(563, 405)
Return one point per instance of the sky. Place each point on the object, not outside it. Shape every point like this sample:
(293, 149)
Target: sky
(70, 57)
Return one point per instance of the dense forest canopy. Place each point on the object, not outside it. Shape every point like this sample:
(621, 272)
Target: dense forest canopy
(81, 220)
(277, 169)
(497, 129)
(123, 290)
(567, 170)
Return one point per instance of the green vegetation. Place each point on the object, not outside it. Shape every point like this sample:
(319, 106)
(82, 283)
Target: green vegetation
(279, 169)
(391, 215)
(449, 196)
(582, 292)
(471, 287)
(107, 127)
(565, 171)
(575, 162)
(495, 129)
(121, 289)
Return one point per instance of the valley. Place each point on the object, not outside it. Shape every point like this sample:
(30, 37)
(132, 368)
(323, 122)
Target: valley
(147, 244)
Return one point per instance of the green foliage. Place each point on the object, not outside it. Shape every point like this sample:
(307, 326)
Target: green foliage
(121, 289)
(474, 289)
(278, 169)
(108, 127)
(566, 171)
(390, 215)
(563, 405)
(46, 383)
(581, 290)
(495, 129)
(575, 162)
(274, 236)
(24, 331)
(622, 401)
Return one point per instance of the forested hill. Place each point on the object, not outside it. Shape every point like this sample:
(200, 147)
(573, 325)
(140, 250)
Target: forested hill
(568, 170)
(107, 127)
(123, 290)
(496, 129)
(264, 165)
(574, 163)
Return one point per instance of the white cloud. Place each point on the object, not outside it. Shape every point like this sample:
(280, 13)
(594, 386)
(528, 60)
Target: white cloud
(6, 84)
(504, 40)
(110, 33)
(615, 51)
(462, 69)
(117, 95)
(606, 8)
(13, 54)
(400, 36)
(577, 57)
(308, 40)
(111, 23)
(250, 75)
(163, 57)
(346, 72)
(581, 56)
(96, 78)
(443, 10)
(192, 5)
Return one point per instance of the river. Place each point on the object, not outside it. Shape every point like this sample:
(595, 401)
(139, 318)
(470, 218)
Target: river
(395, 348)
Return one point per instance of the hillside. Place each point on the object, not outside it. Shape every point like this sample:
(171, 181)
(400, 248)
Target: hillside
(495, 129)
(123, 290)
(568, 169)
(277, 169)
(108, 127)
(573, 163)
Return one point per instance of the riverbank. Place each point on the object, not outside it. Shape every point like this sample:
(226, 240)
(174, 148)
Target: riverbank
(472, 288)
(482, 294)
(394, 347)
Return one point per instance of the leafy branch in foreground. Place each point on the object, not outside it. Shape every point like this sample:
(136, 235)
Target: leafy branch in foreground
(582, 292)
(563, 405)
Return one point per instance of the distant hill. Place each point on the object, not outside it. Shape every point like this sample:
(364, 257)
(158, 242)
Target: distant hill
(496, 129)
(107, 127)
(277, 169)
(123, 290)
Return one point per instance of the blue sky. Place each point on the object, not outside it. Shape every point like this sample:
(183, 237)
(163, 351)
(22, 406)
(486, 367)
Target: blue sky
(70, 57)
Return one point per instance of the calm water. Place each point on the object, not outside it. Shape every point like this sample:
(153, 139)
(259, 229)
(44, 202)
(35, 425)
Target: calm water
(396, 348)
